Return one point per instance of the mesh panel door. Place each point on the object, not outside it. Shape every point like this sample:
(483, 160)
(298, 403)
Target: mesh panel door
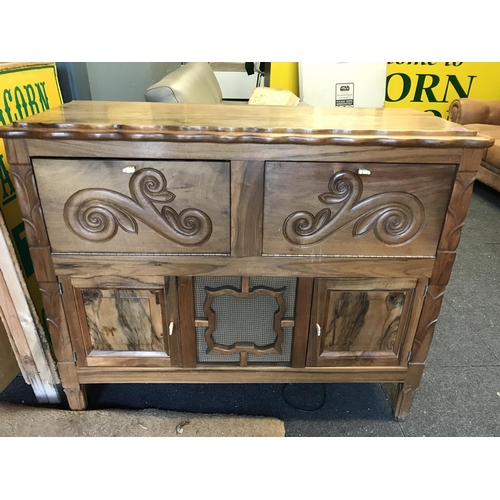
(244, 321)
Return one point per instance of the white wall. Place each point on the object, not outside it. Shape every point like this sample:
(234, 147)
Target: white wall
(319, 82)
(125, 81)
(236, 85)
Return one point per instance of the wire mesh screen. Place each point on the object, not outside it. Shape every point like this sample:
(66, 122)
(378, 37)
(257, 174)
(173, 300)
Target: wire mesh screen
(240, 319)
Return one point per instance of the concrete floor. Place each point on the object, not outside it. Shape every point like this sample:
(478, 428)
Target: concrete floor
(460, 390)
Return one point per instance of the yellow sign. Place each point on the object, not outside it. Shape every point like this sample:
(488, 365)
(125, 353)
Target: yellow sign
(25, 89)
(432, 86)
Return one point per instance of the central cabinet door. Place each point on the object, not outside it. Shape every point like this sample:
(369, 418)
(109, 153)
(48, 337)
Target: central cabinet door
(244, 320)
(117, 321)
(363, 321)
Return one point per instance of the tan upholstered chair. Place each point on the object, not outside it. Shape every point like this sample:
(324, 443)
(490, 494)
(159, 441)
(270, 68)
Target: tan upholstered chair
(195, 82)
(484, 118)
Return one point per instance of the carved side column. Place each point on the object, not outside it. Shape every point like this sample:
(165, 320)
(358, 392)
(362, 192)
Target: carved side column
(36, 234)
(445, 258)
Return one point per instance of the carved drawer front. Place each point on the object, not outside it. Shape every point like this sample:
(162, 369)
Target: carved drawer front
(135, 206)
(355, 209)
(123, 321)
(363, 321)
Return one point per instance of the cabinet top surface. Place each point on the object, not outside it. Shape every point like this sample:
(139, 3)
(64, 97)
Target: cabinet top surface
(99, 120)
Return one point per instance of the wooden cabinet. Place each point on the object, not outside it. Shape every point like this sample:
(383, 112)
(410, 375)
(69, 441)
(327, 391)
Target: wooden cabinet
(200, 243)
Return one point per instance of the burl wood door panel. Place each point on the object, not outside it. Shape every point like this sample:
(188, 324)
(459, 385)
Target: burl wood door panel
(135, 206)
(355, 209)
(123, 321)
(365, 321)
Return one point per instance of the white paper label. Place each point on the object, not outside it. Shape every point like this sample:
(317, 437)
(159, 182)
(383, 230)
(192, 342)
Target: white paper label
(344, 95)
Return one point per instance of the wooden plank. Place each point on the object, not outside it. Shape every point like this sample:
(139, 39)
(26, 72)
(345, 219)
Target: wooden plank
(420, 349)
(135, 359)
(406, 391)
(237, 375)
(75, 327)
(471, 160)
(76, 393)
(56, 320)
(442, 268)
(8, 362)
(244, 124)
(172, 319)
(247, 196)
(111, 282)
(42, 263)
(234, 152)
(186, 320)
(302, 317)
(427, 323)
(416, 310)
(272, 96)
(176, 265)
(20, 320)
(24, 333)
(457, 210)
(27, 194)
(317, 311)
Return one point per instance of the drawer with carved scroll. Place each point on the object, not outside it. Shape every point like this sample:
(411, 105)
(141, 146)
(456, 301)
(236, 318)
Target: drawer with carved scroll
(164, 207)
(359, 209)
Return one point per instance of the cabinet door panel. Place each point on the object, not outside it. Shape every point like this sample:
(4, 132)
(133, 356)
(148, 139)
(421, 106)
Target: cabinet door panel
(124, 321)
(365, 321)
(362, 321)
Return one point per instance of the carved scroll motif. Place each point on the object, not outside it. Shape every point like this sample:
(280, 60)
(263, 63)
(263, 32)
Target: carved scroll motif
(96, 214)
(396, 218)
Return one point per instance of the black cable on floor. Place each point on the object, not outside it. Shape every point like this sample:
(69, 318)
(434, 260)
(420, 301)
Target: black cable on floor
(320, 404)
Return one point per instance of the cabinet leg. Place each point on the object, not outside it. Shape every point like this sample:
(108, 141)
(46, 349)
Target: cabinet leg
(75, 392)
(77, 397)
(406, 391)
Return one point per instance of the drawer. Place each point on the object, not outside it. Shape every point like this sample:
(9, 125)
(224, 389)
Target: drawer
(340, 209)
(135, 206)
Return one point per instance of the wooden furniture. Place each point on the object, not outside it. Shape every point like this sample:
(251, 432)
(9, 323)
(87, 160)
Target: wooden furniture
(28, 351)
(8, 363)
(484, 118)
(208, 243)
(27, 88)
